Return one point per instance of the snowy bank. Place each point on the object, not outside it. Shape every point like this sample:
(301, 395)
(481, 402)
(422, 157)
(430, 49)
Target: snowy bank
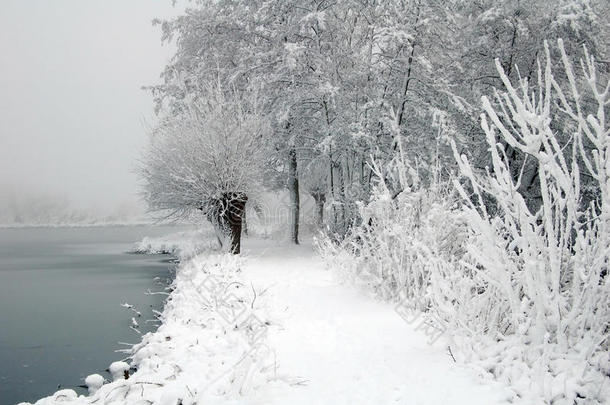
(84, 224)
(184, 244)
(209, 348)
(275, 326)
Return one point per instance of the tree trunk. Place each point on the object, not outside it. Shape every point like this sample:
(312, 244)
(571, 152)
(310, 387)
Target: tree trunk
(244, 223)
(234, 207)
(343, 199)
(332, 189)
(320, 199)
(293, 188)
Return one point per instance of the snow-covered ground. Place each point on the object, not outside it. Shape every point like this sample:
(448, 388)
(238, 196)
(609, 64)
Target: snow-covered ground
(276, 327)
(345, 348)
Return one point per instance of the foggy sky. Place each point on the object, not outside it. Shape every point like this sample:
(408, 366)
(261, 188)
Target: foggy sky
(71, 107)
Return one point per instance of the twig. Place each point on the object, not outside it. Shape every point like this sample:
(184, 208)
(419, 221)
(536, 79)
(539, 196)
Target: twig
(266, 289)
(253, 299)
(449, 348)
(148, 382)
(230, 284)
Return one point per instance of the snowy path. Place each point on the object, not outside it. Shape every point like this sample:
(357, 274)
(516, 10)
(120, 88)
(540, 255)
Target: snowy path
(346, 347)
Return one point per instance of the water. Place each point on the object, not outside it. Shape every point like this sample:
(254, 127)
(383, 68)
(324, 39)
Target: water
(60, 296)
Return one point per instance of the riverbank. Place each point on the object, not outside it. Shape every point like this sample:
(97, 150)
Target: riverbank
(209, 347)
(273, 326)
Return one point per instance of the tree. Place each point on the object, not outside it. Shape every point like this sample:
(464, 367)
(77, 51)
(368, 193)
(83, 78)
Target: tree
(208, 158)
(315, 176)
(344, 82)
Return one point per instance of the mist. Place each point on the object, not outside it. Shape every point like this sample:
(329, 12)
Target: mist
(72, 113)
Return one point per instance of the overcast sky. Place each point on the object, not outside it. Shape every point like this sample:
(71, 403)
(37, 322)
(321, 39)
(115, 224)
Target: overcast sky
(71, 104)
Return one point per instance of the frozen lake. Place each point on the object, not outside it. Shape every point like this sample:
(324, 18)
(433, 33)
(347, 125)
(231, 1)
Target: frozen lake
(60, 296)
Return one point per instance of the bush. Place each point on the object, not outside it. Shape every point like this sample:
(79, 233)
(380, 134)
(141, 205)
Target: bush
(522, 292)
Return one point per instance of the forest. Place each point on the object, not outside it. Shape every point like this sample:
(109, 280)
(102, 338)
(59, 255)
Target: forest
(457, 154)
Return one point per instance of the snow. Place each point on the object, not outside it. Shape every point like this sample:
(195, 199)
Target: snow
(94, 382)
(275, 327)
(117, 370)
(338, 346)
(185, 244)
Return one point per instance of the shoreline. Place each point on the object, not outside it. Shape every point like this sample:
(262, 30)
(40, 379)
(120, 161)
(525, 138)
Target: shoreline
(200, 339)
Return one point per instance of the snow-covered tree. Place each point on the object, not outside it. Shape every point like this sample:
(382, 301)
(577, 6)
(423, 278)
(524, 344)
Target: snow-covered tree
(342, 82)
(210, 157)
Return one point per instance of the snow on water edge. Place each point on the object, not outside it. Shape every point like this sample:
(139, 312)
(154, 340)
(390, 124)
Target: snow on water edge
(211, 346)
(184, 244)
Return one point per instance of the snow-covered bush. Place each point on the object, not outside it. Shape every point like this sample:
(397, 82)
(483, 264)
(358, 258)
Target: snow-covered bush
(546, 267)
(522, 291)
(407, 232)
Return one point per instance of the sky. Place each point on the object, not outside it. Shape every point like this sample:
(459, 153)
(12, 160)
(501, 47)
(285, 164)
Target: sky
(73, 116)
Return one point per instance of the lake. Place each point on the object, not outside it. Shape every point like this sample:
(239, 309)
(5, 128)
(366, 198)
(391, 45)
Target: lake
(61, 291)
